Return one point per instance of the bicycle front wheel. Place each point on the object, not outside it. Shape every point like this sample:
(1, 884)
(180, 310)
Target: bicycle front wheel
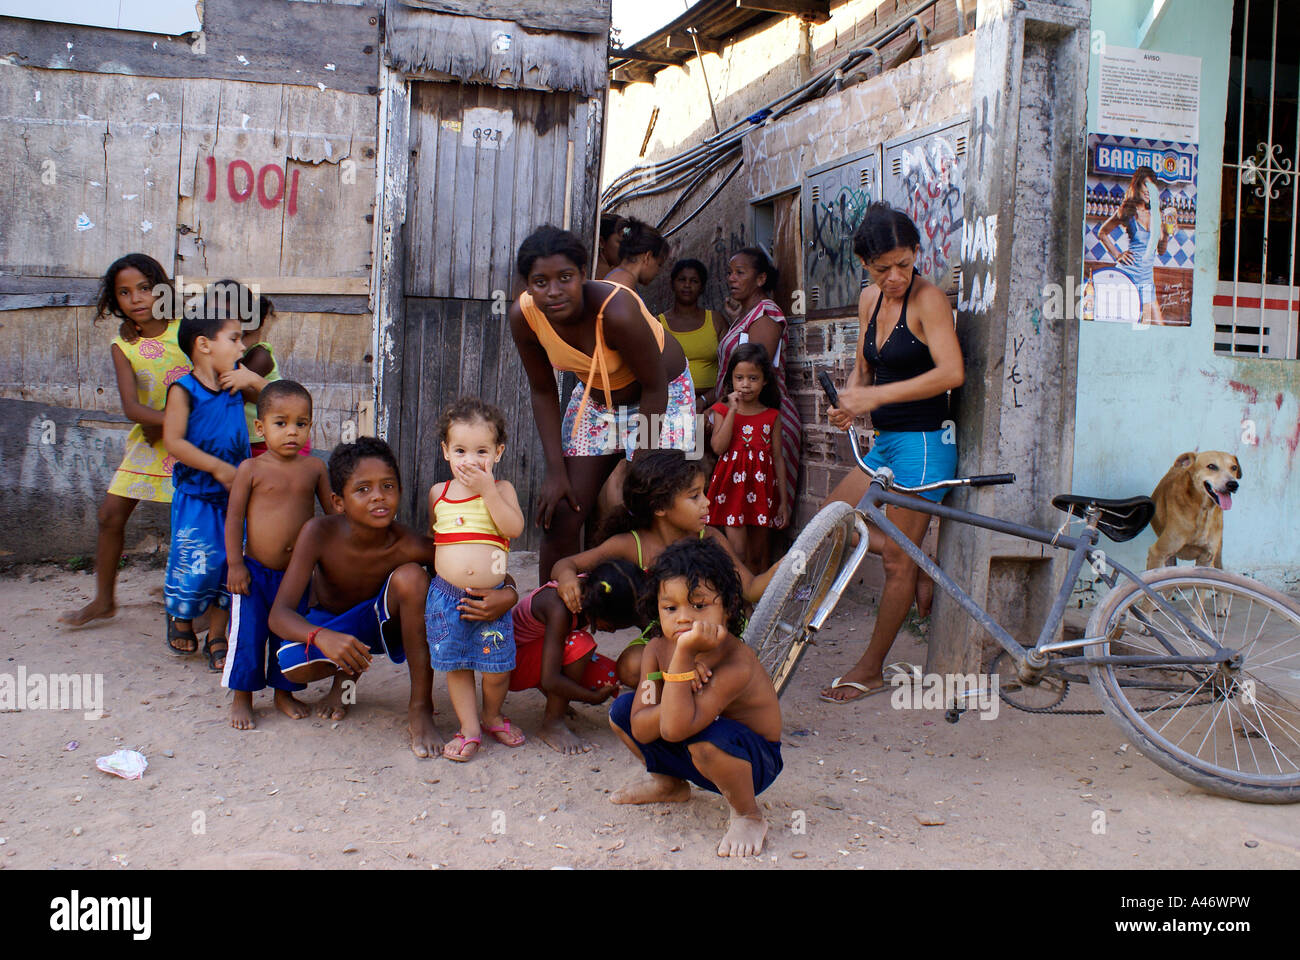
(778, 629)
(1233, 729)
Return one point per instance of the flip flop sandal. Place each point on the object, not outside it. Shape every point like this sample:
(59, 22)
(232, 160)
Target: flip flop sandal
(210, 645)
(175, 633)
(865, 691)
(458, 756)
(899, 668)
(503, 732)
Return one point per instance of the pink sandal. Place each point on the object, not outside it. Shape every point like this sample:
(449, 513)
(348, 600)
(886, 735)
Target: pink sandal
(459, 755)
(503, 731)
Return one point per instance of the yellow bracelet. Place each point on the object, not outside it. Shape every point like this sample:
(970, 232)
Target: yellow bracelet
(679, 677)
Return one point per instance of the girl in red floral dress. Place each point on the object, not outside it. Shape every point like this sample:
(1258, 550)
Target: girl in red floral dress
(748, 494)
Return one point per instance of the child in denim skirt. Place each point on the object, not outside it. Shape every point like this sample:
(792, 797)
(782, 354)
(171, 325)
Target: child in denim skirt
(473, 517)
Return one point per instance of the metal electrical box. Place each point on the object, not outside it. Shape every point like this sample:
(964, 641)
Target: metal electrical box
(835, 197)
(925, 177)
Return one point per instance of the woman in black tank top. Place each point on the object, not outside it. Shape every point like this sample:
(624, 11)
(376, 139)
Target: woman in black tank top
(907, 359)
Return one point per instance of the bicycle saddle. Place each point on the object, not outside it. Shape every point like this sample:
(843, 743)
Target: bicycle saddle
(1121, 519)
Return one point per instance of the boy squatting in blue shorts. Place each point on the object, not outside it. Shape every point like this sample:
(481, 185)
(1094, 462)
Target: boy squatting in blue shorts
(369, 586)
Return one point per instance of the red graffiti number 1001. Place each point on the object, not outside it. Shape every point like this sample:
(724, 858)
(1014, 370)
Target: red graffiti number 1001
(269, 195)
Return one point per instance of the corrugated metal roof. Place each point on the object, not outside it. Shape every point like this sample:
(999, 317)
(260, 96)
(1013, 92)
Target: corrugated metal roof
(715, 21)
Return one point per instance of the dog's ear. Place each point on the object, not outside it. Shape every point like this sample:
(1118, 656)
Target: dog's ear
(1185, 460)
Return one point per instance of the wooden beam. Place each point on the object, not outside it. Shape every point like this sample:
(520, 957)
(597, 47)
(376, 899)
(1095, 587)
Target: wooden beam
(682, 41)
(590, 16)
(644, 58)
(818, 11)
(76, 286)
(650, 129)
(620, 76)
(36, 301)
(318, 286)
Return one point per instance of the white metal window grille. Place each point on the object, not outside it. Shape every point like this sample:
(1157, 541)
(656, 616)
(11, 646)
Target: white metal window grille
(1257, 301)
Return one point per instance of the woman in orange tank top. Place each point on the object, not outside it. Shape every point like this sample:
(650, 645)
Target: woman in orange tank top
(632, 378)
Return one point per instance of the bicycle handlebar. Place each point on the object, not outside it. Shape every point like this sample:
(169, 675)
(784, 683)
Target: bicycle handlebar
(983, 480)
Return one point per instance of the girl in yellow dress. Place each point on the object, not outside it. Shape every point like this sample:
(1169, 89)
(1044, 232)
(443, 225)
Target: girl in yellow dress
(147, 360)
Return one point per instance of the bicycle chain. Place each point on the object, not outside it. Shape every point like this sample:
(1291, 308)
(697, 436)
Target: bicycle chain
(1056, 710)
(1086, 713)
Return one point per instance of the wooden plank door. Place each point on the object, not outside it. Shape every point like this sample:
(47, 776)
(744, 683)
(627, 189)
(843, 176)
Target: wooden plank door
(487, 166)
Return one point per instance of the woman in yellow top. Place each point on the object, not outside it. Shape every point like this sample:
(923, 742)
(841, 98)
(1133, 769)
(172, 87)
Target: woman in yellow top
(695, 328)
(147, 360)
(630, 373)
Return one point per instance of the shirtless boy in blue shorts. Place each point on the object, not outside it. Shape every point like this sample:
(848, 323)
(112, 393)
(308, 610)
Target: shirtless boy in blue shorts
(272, 497)
(368, 588)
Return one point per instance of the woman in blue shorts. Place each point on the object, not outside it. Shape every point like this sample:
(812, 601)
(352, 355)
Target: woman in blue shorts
(907, 360)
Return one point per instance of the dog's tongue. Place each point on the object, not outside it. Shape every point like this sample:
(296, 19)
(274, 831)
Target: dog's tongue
(1225, 500)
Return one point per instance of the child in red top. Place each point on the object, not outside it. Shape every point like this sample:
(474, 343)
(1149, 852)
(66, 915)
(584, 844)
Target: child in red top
(555, 651)
(747, 495)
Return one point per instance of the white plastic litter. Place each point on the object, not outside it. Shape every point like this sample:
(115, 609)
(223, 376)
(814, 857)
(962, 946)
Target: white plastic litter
(127, 764)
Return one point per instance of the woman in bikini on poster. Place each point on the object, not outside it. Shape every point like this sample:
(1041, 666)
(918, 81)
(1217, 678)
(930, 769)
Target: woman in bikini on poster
(1137, 262)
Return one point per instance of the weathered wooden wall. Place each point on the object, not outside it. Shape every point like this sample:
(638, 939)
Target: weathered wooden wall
(224, 177)
(487, 166)
(498, 52)
(250, 154)
(499, 137)
(589, 17)
(268, 41)
(251, 151)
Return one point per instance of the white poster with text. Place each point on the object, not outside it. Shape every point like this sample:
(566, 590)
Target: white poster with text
(1148, 94)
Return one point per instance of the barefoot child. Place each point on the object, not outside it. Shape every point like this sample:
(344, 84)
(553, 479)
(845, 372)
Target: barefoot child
(556, 653)
(474, 517)
(725, 735)
(748, 493)
(147, 360)
(368, 589)
(203, 428)
(664, 501)
(272, 497)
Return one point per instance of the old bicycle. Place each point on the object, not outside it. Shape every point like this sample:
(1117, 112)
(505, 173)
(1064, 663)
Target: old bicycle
(1199, 667)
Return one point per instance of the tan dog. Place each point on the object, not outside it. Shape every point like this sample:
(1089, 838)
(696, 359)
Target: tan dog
(1190, 500)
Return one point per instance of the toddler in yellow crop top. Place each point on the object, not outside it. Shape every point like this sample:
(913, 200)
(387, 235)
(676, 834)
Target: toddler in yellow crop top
(473, 518)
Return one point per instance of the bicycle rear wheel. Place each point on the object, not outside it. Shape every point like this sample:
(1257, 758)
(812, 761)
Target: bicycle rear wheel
(778, 629)
(1233, 730)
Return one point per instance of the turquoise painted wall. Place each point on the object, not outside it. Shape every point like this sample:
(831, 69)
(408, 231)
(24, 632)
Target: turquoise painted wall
(1147, 395)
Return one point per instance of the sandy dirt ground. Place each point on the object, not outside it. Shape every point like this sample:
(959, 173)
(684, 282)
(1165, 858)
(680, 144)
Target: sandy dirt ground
(864, 786)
